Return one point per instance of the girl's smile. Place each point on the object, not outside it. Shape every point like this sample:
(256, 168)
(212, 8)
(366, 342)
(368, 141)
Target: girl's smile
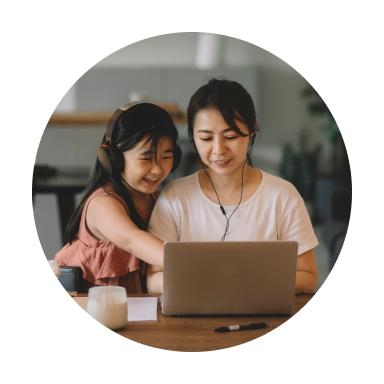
(151, 182)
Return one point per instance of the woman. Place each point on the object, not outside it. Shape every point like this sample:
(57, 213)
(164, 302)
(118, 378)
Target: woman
(106, 234)
(231, 200)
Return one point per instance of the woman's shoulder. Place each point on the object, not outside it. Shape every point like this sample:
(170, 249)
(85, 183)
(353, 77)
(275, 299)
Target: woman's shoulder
(180, 186)
(276, 185)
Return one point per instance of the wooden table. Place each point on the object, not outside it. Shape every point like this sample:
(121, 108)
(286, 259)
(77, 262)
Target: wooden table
(196, 333)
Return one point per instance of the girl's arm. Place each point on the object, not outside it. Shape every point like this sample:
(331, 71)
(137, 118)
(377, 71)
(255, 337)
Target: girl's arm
(107, 220)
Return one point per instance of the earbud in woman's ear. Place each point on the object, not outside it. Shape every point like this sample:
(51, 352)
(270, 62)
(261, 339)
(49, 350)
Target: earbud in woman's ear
(253, 138)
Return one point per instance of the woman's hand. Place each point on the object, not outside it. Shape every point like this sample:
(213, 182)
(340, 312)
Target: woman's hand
(306, 275)
(154, 279)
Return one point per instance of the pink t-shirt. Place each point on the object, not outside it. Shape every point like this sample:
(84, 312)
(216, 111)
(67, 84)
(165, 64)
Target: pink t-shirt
(102, 261)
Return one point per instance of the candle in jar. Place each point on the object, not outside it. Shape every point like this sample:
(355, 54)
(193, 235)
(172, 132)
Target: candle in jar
(108, 305)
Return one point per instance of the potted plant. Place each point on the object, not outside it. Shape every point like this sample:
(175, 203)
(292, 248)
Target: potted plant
(300, 166)
(337, 172)
(328, 125)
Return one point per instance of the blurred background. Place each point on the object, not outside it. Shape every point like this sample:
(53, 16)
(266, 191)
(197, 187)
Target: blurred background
(299, 141)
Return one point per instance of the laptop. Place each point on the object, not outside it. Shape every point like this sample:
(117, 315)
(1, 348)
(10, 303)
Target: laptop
(229, 278)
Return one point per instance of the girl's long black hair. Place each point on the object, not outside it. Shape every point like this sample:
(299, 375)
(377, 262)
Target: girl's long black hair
(143, 121)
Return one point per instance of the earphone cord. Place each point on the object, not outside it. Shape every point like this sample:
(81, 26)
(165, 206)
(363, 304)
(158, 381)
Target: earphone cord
(221, 207)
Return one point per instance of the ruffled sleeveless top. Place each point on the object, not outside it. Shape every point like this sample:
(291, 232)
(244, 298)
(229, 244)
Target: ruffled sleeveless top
(103, 262)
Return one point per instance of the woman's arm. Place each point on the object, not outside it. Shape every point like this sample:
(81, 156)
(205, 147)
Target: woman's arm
(306, 275)
(154, 279)
(107, 220)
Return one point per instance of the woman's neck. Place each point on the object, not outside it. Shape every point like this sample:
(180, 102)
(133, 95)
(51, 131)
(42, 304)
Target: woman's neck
(229, 183)
(226, 187)
(230, 188)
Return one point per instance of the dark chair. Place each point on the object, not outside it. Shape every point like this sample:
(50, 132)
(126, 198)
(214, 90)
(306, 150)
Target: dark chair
(335, 228)
(71, 279)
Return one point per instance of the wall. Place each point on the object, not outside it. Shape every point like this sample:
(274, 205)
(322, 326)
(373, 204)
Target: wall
(164, 67)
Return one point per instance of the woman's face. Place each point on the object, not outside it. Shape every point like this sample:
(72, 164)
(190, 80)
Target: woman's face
(141, 171)
(219, 146)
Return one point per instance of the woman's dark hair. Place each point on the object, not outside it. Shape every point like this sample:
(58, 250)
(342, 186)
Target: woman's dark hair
(227, 97)
(137, 123)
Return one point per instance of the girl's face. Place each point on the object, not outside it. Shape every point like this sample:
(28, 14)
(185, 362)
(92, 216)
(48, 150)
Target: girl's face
(141, 170)
(220, 147)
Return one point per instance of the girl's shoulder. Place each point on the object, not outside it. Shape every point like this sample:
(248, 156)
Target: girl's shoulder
(106, 190)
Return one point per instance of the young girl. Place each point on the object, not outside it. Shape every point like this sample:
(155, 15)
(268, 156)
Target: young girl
(231, 200)
(106, 234)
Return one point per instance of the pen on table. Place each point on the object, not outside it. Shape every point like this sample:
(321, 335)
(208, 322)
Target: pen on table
(241, 327)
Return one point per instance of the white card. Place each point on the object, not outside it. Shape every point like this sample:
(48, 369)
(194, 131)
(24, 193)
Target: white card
(142, 309)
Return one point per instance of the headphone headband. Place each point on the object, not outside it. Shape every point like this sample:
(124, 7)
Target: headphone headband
(115, 117)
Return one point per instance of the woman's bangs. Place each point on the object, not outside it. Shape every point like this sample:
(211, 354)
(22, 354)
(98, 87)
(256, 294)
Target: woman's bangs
(230, 115)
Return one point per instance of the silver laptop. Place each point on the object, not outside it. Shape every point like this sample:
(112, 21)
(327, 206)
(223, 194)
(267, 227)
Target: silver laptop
(238, 277)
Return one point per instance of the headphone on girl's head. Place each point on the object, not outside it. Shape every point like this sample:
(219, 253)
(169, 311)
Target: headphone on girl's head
(111, 158)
